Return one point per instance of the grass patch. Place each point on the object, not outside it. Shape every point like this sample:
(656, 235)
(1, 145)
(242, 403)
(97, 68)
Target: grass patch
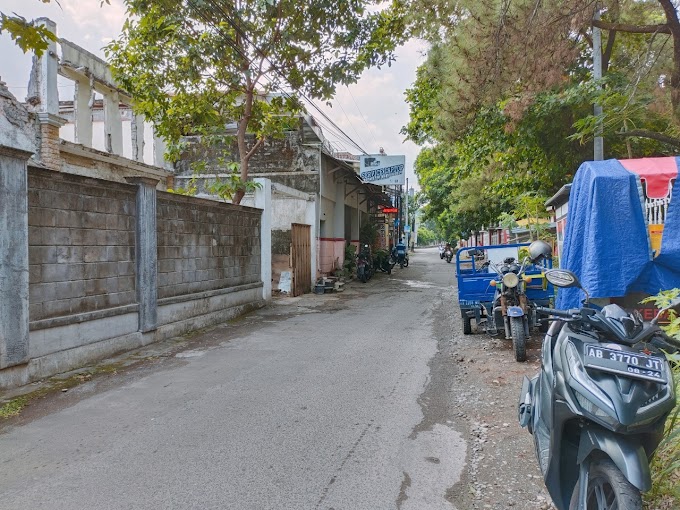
(54, 385)
(13, 407)
(665, 493)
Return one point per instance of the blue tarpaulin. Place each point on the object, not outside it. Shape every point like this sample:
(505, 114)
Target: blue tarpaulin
(607, 241)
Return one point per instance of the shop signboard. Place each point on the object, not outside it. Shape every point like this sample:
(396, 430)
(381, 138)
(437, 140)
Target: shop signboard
(382, 169)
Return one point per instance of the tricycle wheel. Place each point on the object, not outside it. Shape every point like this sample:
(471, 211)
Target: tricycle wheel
(467, 326)
(518, 338)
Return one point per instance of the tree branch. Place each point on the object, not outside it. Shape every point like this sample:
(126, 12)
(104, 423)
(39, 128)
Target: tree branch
(259, 142)
(607, 54)
(652, 135)
(633, 29)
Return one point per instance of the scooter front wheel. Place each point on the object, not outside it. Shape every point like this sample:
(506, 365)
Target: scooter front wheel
(608, 489)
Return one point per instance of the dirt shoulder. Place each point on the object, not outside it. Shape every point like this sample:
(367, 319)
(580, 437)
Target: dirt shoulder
(484, 385)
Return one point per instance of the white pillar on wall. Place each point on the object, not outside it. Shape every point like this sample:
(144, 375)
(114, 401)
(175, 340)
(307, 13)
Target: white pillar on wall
(43, 83)
(159, 151)
(263, 200)
(137, 135)
(312, 218)
(83, 112)
(113, 123)
(339, 211)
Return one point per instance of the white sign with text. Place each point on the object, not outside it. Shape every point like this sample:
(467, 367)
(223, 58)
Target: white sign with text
(381, 169)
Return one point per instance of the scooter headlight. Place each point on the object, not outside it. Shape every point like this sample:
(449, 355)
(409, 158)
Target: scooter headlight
(510, 280)
(599, 405)
(592, 409)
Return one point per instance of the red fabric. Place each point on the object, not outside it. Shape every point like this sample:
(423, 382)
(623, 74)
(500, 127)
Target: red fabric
(656, 172)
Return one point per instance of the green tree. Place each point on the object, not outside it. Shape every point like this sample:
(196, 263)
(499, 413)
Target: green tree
(486, 52)
(195, 66)
(426, 237)
(25, 33)
(504, 100)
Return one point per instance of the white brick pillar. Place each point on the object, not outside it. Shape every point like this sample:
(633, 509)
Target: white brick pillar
(263, 200)
(43, 91)
(312, 218)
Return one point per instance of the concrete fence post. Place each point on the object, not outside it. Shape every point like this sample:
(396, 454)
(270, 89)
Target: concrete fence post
(312, 218)
(17, 144)
(13, 257)
(263, 200)
(146, 254)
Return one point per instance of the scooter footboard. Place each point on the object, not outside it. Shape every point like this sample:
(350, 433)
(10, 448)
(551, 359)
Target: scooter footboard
(628, 455)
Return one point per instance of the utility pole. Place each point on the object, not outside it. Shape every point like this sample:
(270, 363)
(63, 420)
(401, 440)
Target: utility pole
(598, 141)
(406, 233)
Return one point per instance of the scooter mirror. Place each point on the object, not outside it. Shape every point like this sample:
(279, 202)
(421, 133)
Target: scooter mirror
(675, 303)
(562, 278)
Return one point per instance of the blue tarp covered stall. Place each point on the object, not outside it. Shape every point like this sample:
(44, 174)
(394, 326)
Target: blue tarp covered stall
(607, 242)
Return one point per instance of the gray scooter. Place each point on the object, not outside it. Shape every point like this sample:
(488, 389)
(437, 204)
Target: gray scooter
(598, 406)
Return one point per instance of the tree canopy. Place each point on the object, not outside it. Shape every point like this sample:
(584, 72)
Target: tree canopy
(503, 103)
(195, 66)
(25, 33)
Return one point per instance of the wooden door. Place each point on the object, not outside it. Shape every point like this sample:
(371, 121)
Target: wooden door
(301, 254)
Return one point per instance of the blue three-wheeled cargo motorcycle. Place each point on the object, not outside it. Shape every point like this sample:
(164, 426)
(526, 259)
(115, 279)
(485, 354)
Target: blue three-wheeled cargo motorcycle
(500, 287)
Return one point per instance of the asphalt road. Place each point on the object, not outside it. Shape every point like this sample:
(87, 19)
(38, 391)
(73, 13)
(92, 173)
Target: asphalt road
(321, 402)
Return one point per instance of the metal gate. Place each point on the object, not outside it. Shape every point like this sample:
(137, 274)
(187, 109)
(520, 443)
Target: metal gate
(301, 254)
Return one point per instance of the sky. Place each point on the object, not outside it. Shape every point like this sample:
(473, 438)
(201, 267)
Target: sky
(371, 112)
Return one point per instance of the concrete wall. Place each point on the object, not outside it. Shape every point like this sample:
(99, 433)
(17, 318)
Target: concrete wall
(94, 286)
(205, 245)
(81, 244)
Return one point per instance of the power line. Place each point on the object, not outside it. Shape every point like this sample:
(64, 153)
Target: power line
(341, 135)
(350, 123)
(362, 116)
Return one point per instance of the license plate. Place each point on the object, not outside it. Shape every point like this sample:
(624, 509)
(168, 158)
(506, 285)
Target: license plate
(631, 364)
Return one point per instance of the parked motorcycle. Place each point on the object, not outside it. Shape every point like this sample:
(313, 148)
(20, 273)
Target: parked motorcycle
(404, 261)
(382, 261)
(512, 311)
(598, 406)
(400, 258)
(364, 264)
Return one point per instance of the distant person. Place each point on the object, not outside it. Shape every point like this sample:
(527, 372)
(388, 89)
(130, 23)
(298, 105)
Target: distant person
(400, 252)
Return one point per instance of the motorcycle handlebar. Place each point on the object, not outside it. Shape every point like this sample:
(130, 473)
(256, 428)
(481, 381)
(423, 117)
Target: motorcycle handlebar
(567, 314)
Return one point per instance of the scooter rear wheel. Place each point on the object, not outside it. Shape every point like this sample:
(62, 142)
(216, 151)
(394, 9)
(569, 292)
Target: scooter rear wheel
(608, 489)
